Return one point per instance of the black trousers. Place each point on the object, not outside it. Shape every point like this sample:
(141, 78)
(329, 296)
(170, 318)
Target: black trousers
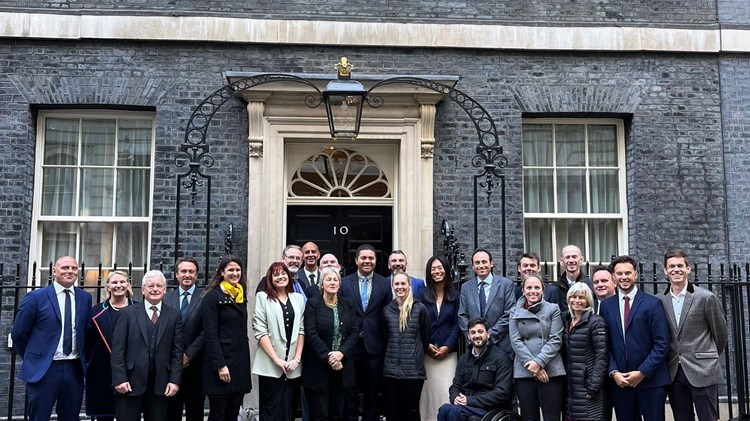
(368, 372)
(403, 397)
(130, 408)
(190, 397)
(534, 395)
(326, 405)
(682, 397)
(224, 407)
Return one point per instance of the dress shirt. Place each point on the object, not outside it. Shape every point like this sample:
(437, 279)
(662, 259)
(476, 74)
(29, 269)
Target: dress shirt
(487, 285)
(149, 311)
(621, 298)
(60, 293)
(315, 281)
(190, 292)
(369, 284)
(677, 302)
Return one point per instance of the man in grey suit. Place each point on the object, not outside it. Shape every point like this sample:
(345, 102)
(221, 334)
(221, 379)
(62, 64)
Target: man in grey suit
(146, 354)
(187, 299)
(698, 335)
(487, 296)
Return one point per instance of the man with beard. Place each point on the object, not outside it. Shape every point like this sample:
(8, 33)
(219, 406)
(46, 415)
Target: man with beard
(292, 257)
(475, 390)
(397, 264)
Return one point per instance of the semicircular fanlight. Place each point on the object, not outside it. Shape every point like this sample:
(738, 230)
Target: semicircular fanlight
(339, 173)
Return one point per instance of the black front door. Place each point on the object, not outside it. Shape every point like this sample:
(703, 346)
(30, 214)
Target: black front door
(341, 229)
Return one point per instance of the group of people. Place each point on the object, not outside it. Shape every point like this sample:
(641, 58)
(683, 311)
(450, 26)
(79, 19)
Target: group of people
(575, 348)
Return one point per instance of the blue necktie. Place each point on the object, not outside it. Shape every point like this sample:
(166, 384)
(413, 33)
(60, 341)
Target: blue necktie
(363, 293)
(68, 325)
(482, 299)
(184, 305)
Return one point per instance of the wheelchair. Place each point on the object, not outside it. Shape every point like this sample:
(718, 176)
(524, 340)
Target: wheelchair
(497, 415)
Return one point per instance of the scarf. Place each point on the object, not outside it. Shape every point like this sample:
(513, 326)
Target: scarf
(235, 291)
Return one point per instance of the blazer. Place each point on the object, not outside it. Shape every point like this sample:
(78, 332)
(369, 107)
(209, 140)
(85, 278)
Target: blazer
(37, 329)
(444, 326)
(646, 338)
(319, 340)
(700, 337)
(536, 334)
(369, 322)
(500, 304)
(130, 349)
(226, 344)
(192, 329)
(268, 320)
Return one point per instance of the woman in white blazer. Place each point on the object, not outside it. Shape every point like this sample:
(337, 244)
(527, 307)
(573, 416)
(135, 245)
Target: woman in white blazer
(278, 327)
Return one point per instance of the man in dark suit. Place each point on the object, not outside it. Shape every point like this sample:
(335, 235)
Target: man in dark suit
(370, 293)
(604, 286)
(48, 334)
(147, 354)
(698, 332)
(187, 299)
(489, 297)
(310, 271)
(397, 264)
(638, 347)
(292, 257)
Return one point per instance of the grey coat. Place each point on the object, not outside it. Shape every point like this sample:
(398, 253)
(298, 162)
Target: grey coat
(536, 334)
(499, 306)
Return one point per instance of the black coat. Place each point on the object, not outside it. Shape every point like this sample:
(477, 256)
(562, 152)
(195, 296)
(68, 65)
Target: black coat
(486, 381)
(587, 359)
(405, 353)
(226, 344)
(100, 398)
(192, 332)
(130, 355)
(319, 339)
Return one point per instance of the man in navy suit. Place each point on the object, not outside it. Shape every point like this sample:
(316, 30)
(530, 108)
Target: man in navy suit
(48, 334)
(638, 347)
(369, 293)
(397, 264)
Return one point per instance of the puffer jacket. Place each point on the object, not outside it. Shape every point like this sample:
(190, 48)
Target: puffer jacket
(404, 355)
(586, 359)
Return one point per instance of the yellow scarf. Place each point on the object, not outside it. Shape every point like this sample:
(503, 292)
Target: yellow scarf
(235, 291)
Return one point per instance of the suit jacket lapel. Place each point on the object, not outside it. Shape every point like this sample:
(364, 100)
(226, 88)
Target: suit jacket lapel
(493, 291)
(634, 308)
(354, 286)
(164, 321)
(142, 320)
(670, 310)
(53, 298)
(685, 309)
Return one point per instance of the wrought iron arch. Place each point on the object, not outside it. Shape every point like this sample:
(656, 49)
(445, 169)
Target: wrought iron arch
(194, 151)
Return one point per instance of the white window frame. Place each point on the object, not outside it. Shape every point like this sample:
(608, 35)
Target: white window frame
(622, 215)
(35, 249)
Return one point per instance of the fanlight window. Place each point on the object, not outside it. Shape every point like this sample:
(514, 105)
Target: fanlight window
(339, 173)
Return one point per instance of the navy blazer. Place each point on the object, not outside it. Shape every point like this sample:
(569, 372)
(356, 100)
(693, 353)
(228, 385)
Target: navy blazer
(370, 322)
(646, 338)
(417, 287)
(36, 330)
(444, 326)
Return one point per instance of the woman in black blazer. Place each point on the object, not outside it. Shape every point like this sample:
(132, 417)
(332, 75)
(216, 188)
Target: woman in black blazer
(330, 338)
(226, 365)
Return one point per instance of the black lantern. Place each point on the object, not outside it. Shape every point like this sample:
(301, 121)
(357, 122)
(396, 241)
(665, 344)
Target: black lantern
(344, 98)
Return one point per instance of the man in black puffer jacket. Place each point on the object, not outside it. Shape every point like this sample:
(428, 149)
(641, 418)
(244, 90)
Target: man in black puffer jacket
(483, 380)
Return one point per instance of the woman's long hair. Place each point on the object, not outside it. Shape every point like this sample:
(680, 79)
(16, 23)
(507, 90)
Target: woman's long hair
(218, 277)
(268, 288)
(404, 307)
(449, 290)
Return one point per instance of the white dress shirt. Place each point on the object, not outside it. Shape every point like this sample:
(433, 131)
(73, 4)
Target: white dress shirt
(59, 292)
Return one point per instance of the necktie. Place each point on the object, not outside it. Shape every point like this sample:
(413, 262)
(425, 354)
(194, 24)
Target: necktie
(363, 293)
(184, 304)
(312, 279)
(68, 325)
(482, 298)
(626, 312)
(154, 315)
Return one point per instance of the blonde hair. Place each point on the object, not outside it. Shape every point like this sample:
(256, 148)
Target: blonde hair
(129, 293)
(580, 288)
(405, 306)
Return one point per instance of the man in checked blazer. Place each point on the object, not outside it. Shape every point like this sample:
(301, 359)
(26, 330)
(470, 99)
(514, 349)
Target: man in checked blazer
(698, 333)
(499, 300)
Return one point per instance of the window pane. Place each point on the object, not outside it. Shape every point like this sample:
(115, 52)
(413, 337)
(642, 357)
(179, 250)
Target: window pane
(134, 142)
(133, 192)
(539, 238)
(604, 191)
(602, 145)
(132, 244)
(571, 191)
(538, 193)
(58, 191)
(537, 145)
(58, 239)
(569, 142)
(571, 231)
(96, 192)
(61, 142)
(98, 142)
(603, 239)
(96, 244)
